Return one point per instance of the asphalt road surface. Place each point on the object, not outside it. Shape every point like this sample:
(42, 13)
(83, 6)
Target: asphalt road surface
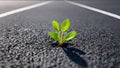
(24, 42)
(6, 6)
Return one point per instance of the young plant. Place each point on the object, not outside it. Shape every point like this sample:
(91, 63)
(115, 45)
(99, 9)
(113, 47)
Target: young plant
(60, 29)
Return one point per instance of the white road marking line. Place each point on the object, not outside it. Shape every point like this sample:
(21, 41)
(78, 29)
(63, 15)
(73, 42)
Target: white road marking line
(23, 9)
(95, 9)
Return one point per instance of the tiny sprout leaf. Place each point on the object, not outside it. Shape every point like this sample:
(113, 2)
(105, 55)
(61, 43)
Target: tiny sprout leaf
(55, 25)
(53, 35)
(70, 35)
(58, 35)
(65, 25)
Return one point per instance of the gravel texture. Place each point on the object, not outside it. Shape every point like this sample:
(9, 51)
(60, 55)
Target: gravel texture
(27, 44)
(30, 47)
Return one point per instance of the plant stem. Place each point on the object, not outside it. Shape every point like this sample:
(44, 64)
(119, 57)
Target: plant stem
(61, 38)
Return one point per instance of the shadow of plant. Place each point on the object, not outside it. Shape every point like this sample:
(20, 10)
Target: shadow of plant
(74, 55)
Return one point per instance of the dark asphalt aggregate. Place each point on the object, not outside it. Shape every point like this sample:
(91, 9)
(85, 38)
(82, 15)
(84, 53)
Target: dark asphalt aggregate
(24, 41)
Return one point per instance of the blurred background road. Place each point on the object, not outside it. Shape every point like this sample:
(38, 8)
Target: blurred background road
(6, 6)
(98, 34)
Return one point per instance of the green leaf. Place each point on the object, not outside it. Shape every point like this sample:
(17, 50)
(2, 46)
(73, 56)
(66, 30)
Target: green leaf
(53, 35)
(65, 25)
(55, 25)
(70, 35)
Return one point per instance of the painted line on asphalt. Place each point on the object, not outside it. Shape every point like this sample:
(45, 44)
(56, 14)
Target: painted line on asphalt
(24, 9)
(95, 9)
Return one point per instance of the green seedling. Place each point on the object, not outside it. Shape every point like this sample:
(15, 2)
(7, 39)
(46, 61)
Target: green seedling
(59, 34)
